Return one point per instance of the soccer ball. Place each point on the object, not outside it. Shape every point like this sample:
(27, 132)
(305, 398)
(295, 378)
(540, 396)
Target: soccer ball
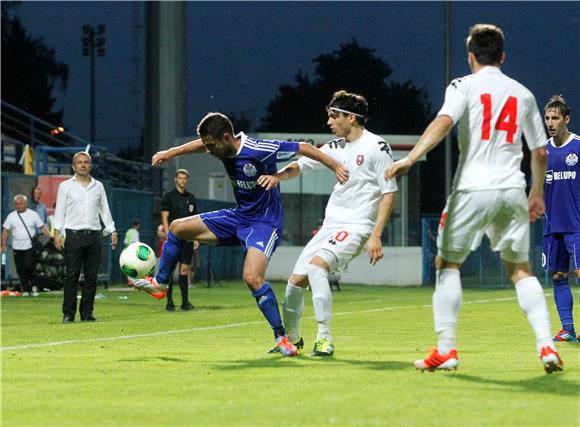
(138, 261)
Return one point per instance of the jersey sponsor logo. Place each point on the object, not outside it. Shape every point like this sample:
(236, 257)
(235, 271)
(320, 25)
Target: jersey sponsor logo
(552, 176)
(244, 185)
(250, 170)
(360, 159)
(571, 159)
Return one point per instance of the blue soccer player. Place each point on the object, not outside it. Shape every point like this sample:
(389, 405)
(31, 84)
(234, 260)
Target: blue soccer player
(255, 223)
(562, 216)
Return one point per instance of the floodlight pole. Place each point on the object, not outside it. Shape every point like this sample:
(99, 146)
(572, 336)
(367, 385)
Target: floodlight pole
(92, 45)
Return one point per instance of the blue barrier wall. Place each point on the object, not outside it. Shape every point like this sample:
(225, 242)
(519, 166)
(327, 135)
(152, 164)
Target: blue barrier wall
(483, 267)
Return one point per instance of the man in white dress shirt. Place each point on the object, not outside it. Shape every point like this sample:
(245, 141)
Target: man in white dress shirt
(81, 205)
(22, 241)
(488, 194)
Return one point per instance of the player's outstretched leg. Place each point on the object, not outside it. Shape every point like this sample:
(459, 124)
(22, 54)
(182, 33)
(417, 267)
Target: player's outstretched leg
(447, 300)
(322, 303)
(157, 286)
(268, 304)
(533, 303)
(293, 308)
(564, 303)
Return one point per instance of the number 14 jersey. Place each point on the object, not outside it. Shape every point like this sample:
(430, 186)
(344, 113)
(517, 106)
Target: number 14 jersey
(493, 111)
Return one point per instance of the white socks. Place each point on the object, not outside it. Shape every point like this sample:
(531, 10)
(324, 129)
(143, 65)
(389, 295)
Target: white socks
(321, 300)
(447, 300)
(293, 307)
(533, 302)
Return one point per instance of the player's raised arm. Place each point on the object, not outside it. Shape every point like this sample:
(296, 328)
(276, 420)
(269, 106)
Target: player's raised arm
(194, 146)
(315, 154)
(432, 136)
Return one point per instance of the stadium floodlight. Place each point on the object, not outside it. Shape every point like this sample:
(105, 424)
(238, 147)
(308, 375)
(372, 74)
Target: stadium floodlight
(93, 41)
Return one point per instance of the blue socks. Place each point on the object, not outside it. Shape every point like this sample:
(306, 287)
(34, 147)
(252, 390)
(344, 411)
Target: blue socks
(267, 302)
(564, 303)
(171, 253)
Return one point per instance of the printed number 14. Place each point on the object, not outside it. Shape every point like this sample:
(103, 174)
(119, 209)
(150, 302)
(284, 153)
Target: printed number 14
(506, 120)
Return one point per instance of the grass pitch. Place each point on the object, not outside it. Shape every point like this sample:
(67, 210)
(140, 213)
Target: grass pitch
(142, 366)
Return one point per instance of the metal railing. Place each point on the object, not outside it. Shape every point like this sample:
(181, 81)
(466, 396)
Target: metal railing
(54, 151)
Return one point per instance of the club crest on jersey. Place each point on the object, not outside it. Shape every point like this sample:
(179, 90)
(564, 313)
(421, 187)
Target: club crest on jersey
(191, 208)
(360, 159)
(250, 170)
(571, 159)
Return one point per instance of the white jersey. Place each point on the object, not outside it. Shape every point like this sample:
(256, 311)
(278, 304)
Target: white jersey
(356, 203)
(493, 111)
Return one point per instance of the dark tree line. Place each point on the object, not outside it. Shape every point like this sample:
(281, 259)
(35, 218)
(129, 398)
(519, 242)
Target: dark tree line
(393, 107)
(31, 73)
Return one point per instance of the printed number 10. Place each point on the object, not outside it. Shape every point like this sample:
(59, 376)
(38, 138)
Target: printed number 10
(506, 120)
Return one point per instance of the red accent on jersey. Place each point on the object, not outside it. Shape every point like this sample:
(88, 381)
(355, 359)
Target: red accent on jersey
(442, 220)
(340, 236)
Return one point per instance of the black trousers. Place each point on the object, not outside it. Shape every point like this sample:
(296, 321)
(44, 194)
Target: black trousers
(82, 251)
(24, 261)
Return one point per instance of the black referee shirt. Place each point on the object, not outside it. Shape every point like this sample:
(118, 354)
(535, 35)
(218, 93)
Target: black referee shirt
(179, 205)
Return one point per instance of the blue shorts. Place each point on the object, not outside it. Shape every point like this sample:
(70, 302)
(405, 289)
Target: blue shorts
(232, 229)
(559, 249)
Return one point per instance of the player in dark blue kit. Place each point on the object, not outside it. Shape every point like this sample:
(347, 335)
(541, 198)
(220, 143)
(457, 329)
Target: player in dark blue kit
(255, 223)
(562, 215)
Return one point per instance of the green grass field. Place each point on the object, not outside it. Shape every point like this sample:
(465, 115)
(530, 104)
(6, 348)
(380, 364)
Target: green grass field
(142, 366)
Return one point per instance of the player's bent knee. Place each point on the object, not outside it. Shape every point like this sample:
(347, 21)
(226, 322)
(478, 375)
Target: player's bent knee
(441, 263)
(298, 280)
(253, 280)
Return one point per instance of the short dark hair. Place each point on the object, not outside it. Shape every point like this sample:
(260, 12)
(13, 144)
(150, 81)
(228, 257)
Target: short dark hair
(485, 41)
(215, 125)
(351, 102)
(557, 102)
(135, 222)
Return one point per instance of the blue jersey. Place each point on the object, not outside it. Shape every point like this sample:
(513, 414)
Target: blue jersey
(562, 187)
(258, 157)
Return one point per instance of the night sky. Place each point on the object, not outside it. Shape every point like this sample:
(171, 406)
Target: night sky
(239, 53)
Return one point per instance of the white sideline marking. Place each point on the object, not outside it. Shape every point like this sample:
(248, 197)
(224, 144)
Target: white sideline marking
(227, 326)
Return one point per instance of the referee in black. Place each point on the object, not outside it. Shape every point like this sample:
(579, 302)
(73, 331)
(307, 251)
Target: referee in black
(180, 203)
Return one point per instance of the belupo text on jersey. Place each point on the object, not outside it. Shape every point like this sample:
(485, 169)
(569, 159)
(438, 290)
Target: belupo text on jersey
(559, 175)
(244, 185)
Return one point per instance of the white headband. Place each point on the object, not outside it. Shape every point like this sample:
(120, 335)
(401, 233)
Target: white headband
(344, 111)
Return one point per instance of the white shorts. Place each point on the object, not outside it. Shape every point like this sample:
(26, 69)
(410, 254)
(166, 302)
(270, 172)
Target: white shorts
(337, 246)
(500, 214)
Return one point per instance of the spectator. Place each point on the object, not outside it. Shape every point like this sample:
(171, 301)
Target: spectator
(81, 205)
(22, 224)
(38, 206)
(132, 234)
